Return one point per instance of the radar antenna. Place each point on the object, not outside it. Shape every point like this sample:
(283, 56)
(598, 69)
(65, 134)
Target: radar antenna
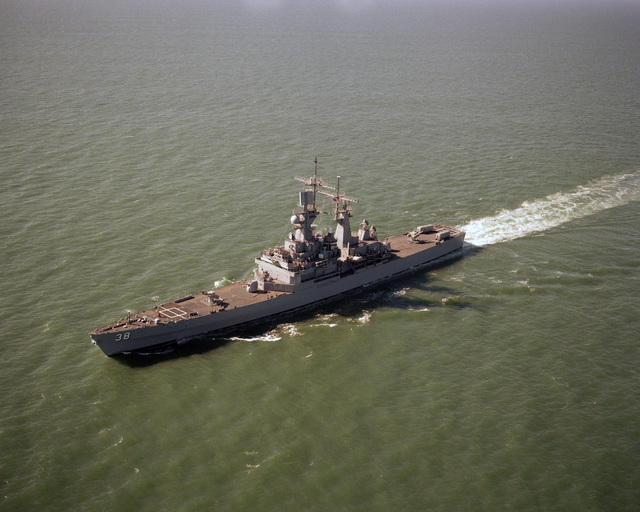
(337, 198)
(314, 182)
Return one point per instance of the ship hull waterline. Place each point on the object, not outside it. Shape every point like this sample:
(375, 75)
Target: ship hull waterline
(151, 338)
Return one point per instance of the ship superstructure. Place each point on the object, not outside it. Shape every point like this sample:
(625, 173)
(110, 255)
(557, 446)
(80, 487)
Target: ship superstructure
(307, 256)
(309, 267)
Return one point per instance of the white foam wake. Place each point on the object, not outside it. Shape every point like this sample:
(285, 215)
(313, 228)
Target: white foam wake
(551, 211)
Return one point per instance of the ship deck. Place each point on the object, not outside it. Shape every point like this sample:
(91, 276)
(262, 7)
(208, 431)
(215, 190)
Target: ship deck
(235, 295)
(402, 245)
(231, 296)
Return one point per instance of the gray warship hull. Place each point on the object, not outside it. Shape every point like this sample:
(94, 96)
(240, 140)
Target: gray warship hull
(138, 339)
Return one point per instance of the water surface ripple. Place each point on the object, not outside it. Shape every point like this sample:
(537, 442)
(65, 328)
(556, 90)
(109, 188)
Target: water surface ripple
(147, 150)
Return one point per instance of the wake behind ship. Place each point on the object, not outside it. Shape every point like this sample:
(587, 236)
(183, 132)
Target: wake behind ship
(310, 267)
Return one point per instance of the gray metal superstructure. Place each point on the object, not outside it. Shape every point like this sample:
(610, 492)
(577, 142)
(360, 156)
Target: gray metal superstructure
(309, 267)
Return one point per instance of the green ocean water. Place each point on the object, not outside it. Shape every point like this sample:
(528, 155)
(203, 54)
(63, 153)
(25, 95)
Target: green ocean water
(147, 150)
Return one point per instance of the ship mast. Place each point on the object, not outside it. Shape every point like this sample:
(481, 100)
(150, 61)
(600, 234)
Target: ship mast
(305, 217)
(315, 180)
(314, 183)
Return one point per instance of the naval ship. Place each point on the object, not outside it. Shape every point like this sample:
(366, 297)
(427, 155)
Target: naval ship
(311, 267)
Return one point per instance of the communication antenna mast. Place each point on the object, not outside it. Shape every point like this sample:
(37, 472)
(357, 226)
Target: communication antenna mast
(317, 186)
(315, 180)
